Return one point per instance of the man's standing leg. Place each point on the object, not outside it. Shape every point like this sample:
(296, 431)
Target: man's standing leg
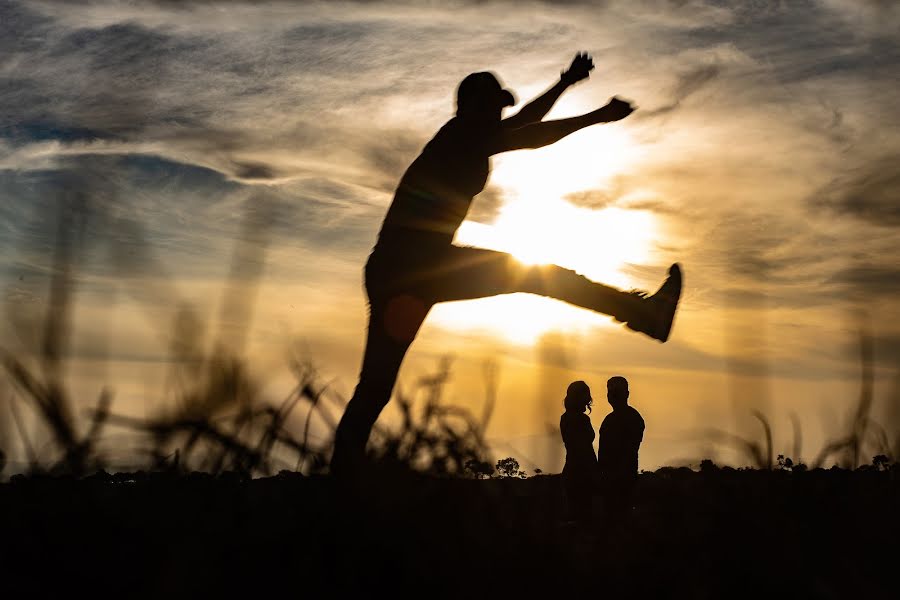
(393, 324)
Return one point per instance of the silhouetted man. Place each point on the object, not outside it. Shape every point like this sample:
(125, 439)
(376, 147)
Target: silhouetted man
(415, 265)
(618, 442)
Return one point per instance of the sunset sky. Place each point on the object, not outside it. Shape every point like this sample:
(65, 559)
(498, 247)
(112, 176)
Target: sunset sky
(764, 157)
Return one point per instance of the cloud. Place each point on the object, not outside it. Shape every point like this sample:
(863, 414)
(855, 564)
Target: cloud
(687, 84)
(870, 192)
(254, 170)
(487, 205)
(594, 199)
(389, 153)
(869, 280)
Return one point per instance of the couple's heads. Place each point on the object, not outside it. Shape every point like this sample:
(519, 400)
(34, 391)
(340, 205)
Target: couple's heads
(481, 96)
(578, 394)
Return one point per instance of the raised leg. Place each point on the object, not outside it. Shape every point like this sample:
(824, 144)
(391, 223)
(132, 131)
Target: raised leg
(468, 273)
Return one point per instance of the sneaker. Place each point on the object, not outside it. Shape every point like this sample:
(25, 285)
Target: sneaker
(653, 315)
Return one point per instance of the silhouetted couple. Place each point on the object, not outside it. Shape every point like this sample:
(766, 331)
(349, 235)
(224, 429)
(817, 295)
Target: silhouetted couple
(415, 265)
(618, 441)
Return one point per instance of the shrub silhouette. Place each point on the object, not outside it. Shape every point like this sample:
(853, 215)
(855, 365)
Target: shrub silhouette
(881, 462)
(479, 469)
(847, 448)
(509, 467)
(219, 420)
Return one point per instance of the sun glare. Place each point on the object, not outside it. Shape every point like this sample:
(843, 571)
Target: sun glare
(538, 226)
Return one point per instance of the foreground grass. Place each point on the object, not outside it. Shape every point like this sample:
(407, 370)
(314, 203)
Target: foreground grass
(722, 532)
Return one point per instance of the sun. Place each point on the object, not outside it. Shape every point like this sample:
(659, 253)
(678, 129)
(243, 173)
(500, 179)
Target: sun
(538, 226)
(595, 243)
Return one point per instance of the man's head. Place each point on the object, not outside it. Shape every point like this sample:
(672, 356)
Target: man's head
(578, 397)
(617, 391)
(481, 95)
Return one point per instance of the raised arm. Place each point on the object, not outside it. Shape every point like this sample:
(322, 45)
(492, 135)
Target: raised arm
(535, 110)
(544, 133)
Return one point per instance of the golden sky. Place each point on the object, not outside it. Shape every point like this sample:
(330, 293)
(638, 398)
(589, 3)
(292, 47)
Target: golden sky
(762, 157)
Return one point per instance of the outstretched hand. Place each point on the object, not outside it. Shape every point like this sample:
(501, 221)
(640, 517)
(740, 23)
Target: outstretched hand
(616, 110)
(581, 68)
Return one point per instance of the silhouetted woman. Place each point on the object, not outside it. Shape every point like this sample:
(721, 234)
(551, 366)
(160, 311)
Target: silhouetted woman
(415, 265)
(577, 432)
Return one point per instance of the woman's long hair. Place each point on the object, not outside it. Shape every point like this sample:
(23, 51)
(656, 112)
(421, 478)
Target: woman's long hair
(578, 397)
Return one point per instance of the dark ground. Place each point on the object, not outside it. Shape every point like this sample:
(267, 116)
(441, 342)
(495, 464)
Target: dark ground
(713, 534)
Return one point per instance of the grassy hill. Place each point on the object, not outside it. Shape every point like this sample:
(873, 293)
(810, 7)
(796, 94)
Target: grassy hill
(710, 534)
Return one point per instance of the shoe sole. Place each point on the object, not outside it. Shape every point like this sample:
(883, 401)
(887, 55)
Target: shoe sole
(662, 305)
(670, 306)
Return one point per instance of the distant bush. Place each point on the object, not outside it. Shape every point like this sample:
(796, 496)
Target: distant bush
(479, 468)
(708, 466)
(509, 467)
(785, 463)
(881, 462)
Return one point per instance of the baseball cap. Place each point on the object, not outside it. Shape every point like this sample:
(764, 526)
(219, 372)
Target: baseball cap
(482, 89)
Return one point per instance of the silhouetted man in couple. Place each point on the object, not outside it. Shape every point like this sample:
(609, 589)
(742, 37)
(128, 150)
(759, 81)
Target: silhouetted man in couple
(415, 265)
(618, 442)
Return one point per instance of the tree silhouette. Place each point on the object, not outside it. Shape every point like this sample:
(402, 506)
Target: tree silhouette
(509, 467)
